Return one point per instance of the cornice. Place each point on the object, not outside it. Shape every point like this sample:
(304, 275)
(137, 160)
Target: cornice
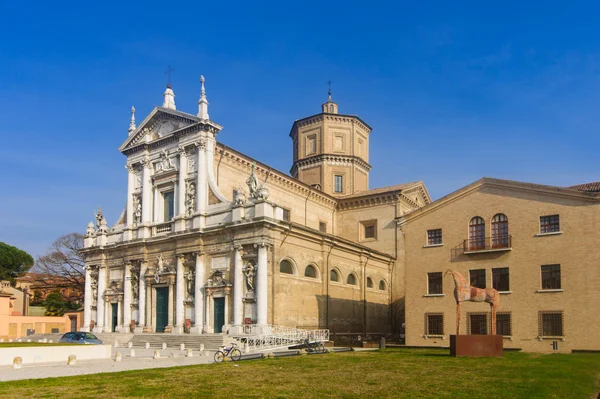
(368, 201)
(344, 159)
(173, 137)
(319, 118)
(274, 177)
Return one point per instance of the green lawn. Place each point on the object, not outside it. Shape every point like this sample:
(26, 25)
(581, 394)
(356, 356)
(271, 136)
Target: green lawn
(393, 373)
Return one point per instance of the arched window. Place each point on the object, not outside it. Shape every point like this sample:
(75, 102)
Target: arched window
(285, 266)
(500, 231)
(351, 280)
(334, 276)
(331, 108)
(476, 233)
(382, 285)
(310, 271)
(369, 282)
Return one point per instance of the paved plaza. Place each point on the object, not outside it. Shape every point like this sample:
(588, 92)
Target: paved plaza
(143, 360)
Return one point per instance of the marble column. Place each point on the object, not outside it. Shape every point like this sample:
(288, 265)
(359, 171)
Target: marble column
(261, 286)
(181, 182)
(199, 295)
(142, 297)
(87, 302)
(126, 299)
(171, 292)
(179, 297)
(238, 286)
(100, 304)
(130, 188)
(147, 321)
(146, 191)
(207, 327)
(119, 314)
(157, 217)
(201, 182)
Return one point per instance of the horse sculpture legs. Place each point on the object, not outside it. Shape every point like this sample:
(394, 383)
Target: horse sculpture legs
(493, 306)
(457, 318)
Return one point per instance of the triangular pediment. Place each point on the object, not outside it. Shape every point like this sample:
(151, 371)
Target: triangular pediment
(160, 123)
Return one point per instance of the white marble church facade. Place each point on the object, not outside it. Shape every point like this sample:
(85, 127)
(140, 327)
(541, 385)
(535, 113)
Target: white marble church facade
(211, 240)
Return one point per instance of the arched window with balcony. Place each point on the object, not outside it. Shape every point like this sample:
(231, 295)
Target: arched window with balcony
(500, 237)
(476, 234)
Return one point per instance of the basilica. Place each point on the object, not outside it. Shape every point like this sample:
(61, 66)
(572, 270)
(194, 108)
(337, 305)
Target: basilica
(212, 241)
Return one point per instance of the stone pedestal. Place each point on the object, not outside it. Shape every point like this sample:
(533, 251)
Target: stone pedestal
(180, 224)
(123, 330)
(476, 346)
(196, 330)
(138, 330)
(176, 330)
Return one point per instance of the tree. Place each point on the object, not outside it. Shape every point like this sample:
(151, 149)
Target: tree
(13, 262)
(64, 262)
(56, 305)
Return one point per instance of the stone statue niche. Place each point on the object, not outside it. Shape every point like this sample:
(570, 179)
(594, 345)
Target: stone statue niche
(250, 274)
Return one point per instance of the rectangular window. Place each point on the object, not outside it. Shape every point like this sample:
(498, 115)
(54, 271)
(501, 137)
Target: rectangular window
(551, 277)
(338, 184)
(434, 283)
(477, 323)
(286, 215)
(168, 205)
(549, 224)
(500, 279)
(323, 227)
(311, 144)
(368, 230)
(477, 278)
(551, 323)
(434, 237)
(503, 324)
(434, 324)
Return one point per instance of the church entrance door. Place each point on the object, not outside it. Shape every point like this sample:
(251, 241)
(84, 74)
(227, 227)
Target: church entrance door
(162, 308)
(219, 314)
(115, 316)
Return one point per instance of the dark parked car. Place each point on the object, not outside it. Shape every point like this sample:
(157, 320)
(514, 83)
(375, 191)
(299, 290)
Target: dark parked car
(80, 338)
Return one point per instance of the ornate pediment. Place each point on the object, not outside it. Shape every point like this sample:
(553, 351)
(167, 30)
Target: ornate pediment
(160, 123)
(217, 280)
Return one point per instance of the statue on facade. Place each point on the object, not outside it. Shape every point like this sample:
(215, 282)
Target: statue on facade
(95, 290)
(99, 217)
(137, 216)
(191, 283)
(190, 198)
(161, 263)
(134, 286)
(250, 272)
(252, 181)
(240, 196)
(464, 292)
(165, 163)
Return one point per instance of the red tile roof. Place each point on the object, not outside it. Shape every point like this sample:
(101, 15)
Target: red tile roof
(590, 187)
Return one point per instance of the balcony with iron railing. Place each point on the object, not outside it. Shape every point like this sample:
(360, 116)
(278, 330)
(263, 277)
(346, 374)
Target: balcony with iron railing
(487, 244)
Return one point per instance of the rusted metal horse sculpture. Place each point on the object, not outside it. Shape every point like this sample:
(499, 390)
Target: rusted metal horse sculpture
(464, 292)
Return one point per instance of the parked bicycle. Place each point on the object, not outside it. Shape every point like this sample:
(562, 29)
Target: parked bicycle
(232, 352)
(314, 346)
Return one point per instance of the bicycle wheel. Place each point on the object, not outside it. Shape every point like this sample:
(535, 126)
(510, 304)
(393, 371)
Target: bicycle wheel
(219, 356)
(236, 354)
(319, 347)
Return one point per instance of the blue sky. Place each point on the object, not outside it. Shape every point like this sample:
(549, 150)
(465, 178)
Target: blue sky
(453, 90)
